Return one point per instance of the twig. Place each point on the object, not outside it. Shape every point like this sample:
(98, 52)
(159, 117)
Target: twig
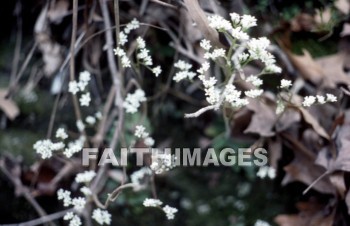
(164, 4)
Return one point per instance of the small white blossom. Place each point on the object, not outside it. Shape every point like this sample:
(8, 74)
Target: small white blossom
(98, 115)
(74, 147)
(73, 87)
(162, 162)
(79, 203)
(65, 196)
(149, 141)
(253, 93)
(123, 39)
(85, 177)
(119, 52)
(266, 171)
(219, 23)
(80, 125)
(218, 53)
(205, 44)
(261, 223)
(331, 98)
(239, 34)
(68, 216)
(132, 25)
(132, 101)
(254, 80)
(169, 212)
(248, 21)
(138, 177)
(61, 133)
(156, 71)
(125, 61)
(101, 216)
(235, 18)
(86, 191)
(140, 131)
(46, 147)
(141, 43)
(85, 99)
(84, 76)
(308, 101)
(205, 67)
(76, 221)
(182, 65)
(321, 99)
(90, 120)
(152, 202)
(285, 83)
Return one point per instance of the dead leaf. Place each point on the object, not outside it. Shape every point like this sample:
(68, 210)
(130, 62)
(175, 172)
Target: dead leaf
(346, 30)
(263, 119)
(8, 106)
(57, 11)
(314, 123)
(302, 22)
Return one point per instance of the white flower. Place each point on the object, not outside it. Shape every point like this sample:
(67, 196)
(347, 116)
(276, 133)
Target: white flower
(205, 44)
(235, 18)
(266, 171)
(285, 83)
(204, 68)
(181, 75)
(68, 216)
(132, 101)
(169, 212)
(73, 87)
(271, 68)
(101, 216)
(80, 125)
(254, 80)
(141, 43)
(98, 115)
(45, 147)
(65, 196)
(248, 21)
(261, 223)
(132, 25)
(138, 176)
(243, 57)
(86, 191)
(152, 202)
(84, 76)
(182, 65)
(85, 177)
(162, 162)
(331, 98)
(140, 131)
(122, 38)
(218, 53)
(219, 23)
(239, 34)
(308, 101)
(85, 99)
(149, 141)
(74, 147)
(75, 221)
(156, 71)
(79, 203)
(90, 120)
(321, 99)
(61, 133)
(253, 93)
(119, 52)
(125, 61)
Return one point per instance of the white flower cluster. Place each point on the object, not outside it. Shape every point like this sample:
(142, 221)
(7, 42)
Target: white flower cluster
(74, 87)
(139, 177)
(140, 132)
(152, 202)
(61, 133)
(285, 84)
(310, 100)
(266, 171)
(143, 53)
(132, 101)
(46, 147)
(101, 216)
(254, 80)
(169, 211)
(74, 147)
(233, 96)
(162, 162)
(211, 92)
(184, 72)
(85, 177)
(123, 57)
(261, 223)
(134, 24)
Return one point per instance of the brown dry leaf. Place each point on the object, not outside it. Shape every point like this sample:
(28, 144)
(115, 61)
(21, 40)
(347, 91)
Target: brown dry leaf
(314, 123)
(8, 106)
(51, 50)
(308, 68)
(342, 142)
(337, 179)
(304, 170)
(275, 151)
(199, 17)
(311, 214)
(57, 11)
(288, 118)
(343, 6)
(333, 69)
(263, 119)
